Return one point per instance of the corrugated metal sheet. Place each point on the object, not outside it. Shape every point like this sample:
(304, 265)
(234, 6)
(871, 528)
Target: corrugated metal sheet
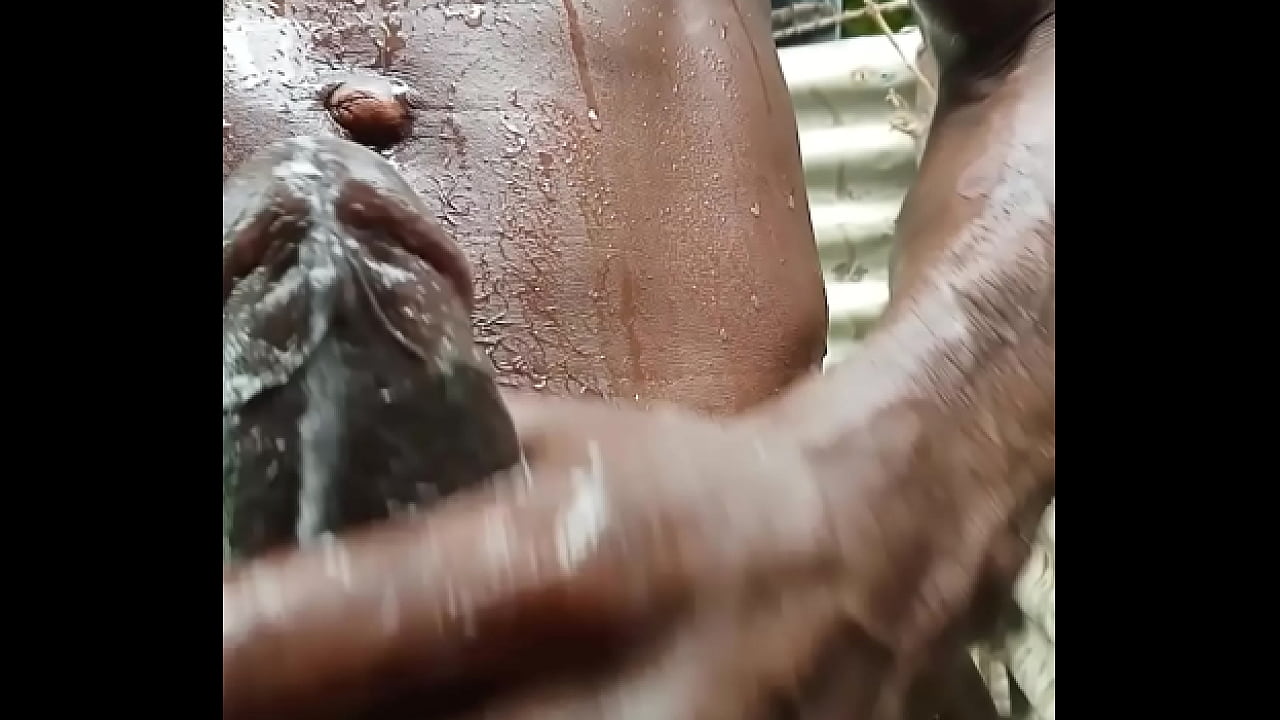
(858, 163)
(788, 13)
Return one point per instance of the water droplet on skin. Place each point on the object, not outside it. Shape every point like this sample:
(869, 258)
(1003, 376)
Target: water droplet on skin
(755, 301)
(791, 202)
(724, 31)
(724, 335)
(594, 118)
(755, 209)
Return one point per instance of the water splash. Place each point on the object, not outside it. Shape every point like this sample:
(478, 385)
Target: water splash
(583, 523)
(337, 562)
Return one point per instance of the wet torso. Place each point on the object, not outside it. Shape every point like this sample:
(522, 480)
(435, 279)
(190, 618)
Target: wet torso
(624, 177)
(587, 239)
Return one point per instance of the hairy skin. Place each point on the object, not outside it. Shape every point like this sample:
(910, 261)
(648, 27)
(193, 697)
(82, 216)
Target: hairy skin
(854, 528)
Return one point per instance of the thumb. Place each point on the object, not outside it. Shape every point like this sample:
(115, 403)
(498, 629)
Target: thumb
(533, 412)
(527, 409)
(536, 419)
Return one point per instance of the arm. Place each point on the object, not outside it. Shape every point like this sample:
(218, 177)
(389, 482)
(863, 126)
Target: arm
(944, 424)
(928, 448)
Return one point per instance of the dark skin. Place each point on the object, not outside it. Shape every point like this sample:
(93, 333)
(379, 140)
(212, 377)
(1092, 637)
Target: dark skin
(352, 386)
(854, 527)
(620, 262)
(617, 250)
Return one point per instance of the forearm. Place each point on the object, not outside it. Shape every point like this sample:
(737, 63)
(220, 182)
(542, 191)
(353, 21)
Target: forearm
(941, 431)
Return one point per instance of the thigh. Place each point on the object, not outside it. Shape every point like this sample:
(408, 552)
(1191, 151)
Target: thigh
(624, 177)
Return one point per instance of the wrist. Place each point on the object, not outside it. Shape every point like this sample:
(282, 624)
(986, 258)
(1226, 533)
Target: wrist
(906, 519)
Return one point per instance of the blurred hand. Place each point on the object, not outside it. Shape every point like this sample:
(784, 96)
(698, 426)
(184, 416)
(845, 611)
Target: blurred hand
(638, 564)
(711, 535)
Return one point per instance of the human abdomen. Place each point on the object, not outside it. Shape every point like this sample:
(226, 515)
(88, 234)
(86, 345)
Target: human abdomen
(625, 179)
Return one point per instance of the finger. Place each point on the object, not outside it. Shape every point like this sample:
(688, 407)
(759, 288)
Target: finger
(535, 405)
(535, 418)
(467, 594)
(530, 410)
(539, 418)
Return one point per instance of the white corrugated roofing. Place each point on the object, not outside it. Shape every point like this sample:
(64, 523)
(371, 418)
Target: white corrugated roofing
(857, 164)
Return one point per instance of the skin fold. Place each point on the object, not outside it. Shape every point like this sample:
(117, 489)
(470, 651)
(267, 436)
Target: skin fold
(823, 554)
